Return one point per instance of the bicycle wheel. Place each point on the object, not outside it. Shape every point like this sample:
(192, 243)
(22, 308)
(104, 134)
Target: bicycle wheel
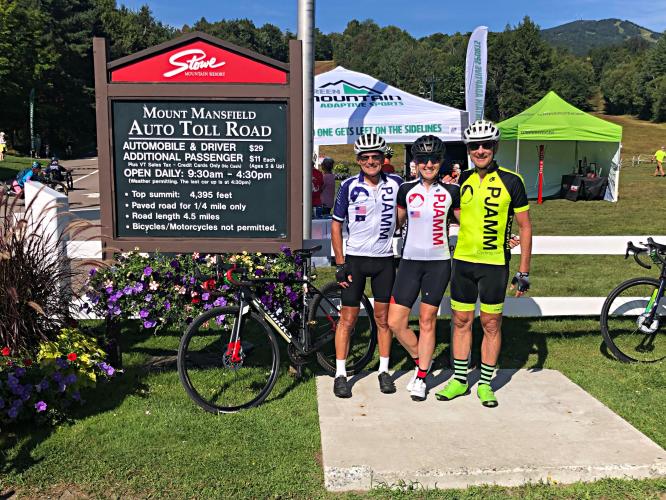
(323, 320)
(215, 377)
(623, 317)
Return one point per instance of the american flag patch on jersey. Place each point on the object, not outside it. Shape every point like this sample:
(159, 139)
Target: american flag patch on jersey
(415, 214)
(360, 210)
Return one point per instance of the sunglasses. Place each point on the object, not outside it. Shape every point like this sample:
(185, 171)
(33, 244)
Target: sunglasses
(473, 146)
(432, 158)
(366, 158)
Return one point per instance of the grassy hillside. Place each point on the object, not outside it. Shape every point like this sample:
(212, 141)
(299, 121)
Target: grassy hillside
(580, 36)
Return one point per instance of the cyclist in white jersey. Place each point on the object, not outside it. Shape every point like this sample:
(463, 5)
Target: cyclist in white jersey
(427, 204)
(368, 203)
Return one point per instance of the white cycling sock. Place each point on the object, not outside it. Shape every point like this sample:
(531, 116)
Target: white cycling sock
(340, 368)
(383, 364)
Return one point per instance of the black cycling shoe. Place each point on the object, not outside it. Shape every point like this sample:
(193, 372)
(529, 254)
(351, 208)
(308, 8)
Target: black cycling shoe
(386, 384)
(341, 387)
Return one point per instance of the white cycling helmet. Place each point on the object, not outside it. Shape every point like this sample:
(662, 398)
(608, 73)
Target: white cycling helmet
(389, 152)
(480, 131)
(369, 142)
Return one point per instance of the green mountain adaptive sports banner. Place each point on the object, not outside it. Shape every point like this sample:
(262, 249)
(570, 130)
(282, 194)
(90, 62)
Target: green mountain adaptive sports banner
(348, 104)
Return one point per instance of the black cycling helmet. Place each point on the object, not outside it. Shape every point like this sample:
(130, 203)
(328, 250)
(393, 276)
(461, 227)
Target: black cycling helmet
(36, 164)
(389, 152)
(428, 145)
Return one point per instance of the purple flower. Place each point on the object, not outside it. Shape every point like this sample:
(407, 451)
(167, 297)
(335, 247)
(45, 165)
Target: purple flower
(109, 290)
(258, 272)
(292, 296)
(40, 406)
(62, 386)
(92, 272)
(57, 377)
(192, 280)
(149, 297)
(149, 323)
(42, 386)
(220, 302)
(2, 403)
(219, 319)
(167, 305)
(70, 379)
(128, 290)
(286, 250)
(138, 287)
(76, 396)
(282, 276)
(61, 363)
(175, 264)
(207, 306)
(148, 271)
(143, 314)
(12, 412)
(20, 372)
(224, 288)
(169, 274)
(116, 311)
(108, 369)
(205, 296)
(298, 260)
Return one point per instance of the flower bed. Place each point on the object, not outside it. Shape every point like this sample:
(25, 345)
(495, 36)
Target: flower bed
(45, 387)
(165, 290)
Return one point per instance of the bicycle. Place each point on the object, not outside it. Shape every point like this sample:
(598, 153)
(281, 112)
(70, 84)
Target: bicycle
(227, 365)
(635, 310)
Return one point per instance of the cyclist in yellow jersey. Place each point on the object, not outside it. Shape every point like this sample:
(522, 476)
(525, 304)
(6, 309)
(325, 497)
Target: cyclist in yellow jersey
(490, 198)
(659, 155)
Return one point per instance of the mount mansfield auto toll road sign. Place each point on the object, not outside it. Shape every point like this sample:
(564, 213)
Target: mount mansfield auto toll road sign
(196, 169)
(200, 143)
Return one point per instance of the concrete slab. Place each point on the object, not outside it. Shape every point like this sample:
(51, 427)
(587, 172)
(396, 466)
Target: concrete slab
(545, 428)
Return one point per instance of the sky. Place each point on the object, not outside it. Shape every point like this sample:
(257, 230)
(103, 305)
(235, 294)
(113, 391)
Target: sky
(417, 17)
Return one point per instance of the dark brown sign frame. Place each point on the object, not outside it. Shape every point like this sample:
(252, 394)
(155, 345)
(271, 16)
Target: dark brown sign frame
(107, 92)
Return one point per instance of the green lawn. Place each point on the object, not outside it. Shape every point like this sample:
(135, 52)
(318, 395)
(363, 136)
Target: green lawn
(141, 437)
(560, 275)
(11, 165)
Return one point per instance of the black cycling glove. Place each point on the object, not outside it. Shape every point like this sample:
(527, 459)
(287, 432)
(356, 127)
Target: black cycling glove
(341, 273)
(521, 281)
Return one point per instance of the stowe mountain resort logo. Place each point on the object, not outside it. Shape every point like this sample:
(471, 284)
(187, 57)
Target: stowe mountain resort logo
(343, 94)
(194, 62)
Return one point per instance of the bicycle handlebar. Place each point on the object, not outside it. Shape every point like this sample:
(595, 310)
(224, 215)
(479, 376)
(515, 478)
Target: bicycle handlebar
(655, 251)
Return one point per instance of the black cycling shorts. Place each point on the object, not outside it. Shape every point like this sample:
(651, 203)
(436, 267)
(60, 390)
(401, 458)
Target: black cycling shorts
(470, 281)
(380, 270)
(430, 277)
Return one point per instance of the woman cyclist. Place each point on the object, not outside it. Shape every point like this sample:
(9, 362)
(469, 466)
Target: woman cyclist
(427, 204)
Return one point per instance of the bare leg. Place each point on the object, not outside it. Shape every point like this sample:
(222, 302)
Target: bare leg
(348, 316)
(492, 338)
(398, 320)
(462, 333)
(426, 342)
(384, 335)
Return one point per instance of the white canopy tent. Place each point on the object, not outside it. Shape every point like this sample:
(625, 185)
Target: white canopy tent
(348, 104)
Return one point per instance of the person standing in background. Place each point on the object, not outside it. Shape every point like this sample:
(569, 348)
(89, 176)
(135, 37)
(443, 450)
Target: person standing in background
(659, 155)
(328, 189)
(387, 168)
(317, 186)
(3, 145)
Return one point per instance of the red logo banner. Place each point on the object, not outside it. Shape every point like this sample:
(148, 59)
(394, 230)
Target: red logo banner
(199, 62)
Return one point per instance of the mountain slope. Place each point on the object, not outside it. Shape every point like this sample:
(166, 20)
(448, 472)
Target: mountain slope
(581, 36)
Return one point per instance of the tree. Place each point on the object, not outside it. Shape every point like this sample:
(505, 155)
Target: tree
(573, 79)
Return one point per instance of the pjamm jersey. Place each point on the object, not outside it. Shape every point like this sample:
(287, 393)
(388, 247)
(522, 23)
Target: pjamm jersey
(486, 213)
(427, 214)
(370, 214)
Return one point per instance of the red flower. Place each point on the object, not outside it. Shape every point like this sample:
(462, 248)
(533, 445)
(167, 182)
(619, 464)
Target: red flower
(208, 284)
(71, 356)
(9, 362)
(196, 300)
(27, 362)
(5, 351)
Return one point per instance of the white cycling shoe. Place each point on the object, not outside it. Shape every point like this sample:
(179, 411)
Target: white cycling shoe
(410, 384)
(418, 392)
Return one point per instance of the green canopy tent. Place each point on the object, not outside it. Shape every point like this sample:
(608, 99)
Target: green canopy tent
(566, 135)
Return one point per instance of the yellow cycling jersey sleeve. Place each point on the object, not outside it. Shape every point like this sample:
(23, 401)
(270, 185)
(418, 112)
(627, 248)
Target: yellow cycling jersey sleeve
(486, 213)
